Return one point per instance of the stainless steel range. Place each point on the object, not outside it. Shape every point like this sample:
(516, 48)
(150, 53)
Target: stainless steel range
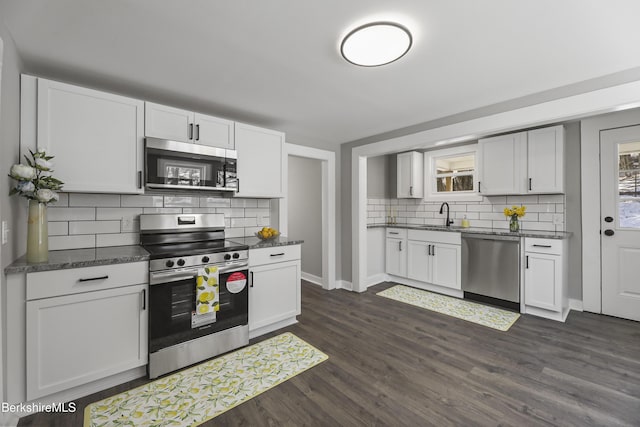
(191, 320)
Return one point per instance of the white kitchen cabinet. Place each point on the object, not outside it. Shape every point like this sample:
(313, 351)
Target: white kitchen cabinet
(434, 257)
(410, 177)
(162, 121)
(545, 160)
(545, 278)
(502, 164)
(260, 161)
(396, 252)
(522, 163)
(96, 137)
(79, 337)
(274, 288)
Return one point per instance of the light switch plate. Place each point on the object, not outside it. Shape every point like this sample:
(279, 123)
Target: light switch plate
(5, 232)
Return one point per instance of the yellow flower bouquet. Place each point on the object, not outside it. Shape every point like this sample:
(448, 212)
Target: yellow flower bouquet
(514, 213)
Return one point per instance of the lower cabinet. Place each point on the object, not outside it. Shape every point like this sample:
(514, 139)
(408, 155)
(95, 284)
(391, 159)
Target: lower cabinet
(427, 256)
(274, 288)
(79, 337)
(545, 284)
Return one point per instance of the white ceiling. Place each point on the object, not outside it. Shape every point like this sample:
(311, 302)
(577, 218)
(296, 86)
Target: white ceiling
(276, 63)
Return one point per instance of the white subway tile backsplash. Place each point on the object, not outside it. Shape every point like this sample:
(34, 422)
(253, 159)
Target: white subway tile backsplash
(97, 220)
(94, 227)
(72, 242)
(521, 200)
(71, 214)
(559, 207)
(244, 203)
(94, 200)
(551, 198)
(142, 201)
(181, 202)
(117, 213)
(58, 228)
(120, 239)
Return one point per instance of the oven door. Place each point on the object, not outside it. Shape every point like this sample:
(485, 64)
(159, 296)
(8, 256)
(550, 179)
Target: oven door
(179, 165)
(172, 304)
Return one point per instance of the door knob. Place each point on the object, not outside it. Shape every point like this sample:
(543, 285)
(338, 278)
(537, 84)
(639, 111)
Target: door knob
(608, 219)
(609, 232)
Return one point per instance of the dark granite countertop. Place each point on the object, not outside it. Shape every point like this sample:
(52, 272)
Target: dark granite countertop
(480, 230)
(75, 258)
(256, 243)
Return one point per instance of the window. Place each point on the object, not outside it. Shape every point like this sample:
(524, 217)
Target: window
(451, 174)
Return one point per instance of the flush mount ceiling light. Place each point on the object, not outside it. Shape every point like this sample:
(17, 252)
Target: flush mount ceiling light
(376, 43)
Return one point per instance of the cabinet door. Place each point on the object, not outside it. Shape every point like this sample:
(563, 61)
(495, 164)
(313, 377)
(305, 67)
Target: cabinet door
(274, 293)
(96, 137)
(446, 265)
(162, 121)
(396, 258)
(542, 281)
(503, 164)
(76, 339)
(418, 257)
(545, 160)
(214, 132)
(260, 160)
(404, 172)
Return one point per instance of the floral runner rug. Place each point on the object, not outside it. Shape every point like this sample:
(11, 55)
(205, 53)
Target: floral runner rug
(466, 310)
(197, 394)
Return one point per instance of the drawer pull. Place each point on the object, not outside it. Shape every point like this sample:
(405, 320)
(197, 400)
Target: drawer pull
(280, 254)
(541, 246)
(393, 232)
(93, 278)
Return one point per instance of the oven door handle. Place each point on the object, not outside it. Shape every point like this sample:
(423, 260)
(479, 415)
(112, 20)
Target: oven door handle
(157, 278)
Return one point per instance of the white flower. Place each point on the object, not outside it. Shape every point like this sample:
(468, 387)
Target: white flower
(45, 195)
(25, 186)
(43, 164)
(22, 172)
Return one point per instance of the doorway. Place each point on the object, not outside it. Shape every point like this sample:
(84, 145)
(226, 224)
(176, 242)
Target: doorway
(620, 216)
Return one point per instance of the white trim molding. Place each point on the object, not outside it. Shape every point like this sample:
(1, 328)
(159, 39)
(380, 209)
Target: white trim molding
(615, 98)
(575, 304)
(329, 250)
(377, 279)
(344, 284)
(311, 278)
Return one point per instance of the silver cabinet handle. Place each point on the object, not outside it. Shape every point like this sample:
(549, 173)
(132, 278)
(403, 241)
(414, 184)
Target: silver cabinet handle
(93, 278)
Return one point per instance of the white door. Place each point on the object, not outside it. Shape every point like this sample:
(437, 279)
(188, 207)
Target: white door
(162, 121)
(395, 259)
(542, 278)
(418, 254)
(213, 131)
(446, 265)
(502, 164)
(404, 175)
(273, 293)
(545, 160)
(620, 221)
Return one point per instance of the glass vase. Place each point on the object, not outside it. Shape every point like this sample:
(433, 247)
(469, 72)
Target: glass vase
(37, 233)
(514, 224)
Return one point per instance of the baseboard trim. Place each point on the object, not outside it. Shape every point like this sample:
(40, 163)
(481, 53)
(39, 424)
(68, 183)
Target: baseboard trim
(344, 284)
(575, 304)
(376, 278)
(426, 286)
(313, 279)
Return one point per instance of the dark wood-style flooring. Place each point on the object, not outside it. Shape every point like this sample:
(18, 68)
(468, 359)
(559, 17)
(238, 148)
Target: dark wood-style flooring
(392, 364)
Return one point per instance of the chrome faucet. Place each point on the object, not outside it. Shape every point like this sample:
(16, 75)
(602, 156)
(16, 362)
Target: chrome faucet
(448, 221)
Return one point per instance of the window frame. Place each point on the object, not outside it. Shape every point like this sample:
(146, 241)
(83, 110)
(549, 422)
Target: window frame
(430, 176)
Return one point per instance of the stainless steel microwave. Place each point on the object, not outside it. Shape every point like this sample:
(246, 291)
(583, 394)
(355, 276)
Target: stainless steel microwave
(173, 165)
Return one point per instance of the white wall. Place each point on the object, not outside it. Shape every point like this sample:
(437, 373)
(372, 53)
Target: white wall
(305, 210)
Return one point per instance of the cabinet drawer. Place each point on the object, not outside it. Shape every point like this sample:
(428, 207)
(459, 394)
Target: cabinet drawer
(397, 233)
(47, 284)
(543, 246)
(275, 254)
(449, 237)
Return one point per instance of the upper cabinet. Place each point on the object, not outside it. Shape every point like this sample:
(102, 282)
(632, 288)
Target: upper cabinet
(166, 122)
(410, 175)
(522, 163)
(260, 161)
(96, 137)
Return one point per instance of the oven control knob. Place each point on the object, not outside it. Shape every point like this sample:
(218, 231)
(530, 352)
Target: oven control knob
(236, 255)
(180, 262)
(205, 259)
(169, 263)
(227, 257)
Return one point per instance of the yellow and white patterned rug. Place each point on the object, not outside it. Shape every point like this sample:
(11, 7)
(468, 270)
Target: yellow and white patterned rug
(466, 310)
(195, 395)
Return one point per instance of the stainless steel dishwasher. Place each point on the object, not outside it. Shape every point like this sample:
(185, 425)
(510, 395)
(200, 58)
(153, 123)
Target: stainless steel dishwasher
(491, 269)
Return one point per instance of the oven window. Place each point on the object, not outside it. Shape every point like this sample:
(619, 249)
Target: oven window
(171, 306)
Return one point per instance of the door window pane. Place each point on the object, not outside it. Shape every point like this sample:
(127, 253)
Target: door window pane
(629, 184)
